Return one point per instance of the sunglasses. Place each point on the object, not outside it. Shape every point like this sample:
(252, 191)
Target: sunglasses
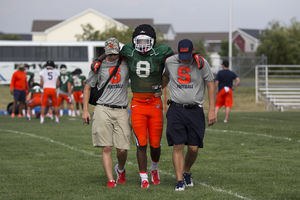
(113, 54)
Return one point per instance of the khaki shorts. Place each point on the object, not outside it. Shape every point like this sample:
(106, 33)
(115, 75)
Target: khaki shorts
(111, 127)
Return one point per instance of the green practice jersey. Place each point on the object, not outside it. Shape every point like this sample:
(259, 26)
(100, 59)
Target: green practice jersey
(35, 89)
(145, 70)
(29, 76)
(77, 82)
(63, 82)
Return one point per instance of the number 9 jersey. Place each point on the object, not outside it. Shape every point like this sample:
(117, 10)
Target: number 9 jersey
(145, 70)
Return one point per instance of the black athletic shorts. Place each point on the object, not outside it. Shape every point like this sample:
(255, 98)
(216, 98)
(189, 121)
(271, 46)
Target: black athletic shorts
(19, 95)
(185, 126)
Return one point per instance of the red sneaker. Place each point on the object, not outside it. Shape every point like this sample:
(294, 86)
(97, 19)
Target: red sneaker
(120, 176)
(20, 115)
(155, 177)
(145, 184)
(111, 184)
(12, 115)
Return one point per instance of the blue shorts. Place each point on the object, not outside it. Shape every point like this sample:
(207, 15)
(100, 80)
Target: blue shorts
(19, 95)
(185, 126)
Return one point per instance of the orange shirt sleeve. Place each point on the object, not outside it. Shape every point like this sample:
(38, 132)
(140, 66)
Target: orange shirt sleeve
(12, 82)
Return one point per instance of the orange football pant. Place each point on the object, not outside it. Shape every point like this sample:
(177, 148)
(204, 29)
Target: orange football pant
(77, 95)
(147, 117)
(49, 93)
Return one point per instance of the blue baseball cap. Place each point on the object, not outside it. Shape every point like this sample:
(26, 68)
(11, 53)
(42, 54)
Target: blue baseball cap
(185, 49)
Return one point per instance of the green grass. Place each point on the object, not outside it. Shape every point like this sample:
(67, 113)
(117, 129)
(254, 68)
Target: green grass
(254, 156)
(244, 99)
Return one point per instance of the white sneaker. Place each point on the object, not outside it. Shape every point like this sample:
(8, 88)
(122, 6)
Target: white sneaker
(56, 119)
(51, 117)
(41, 120)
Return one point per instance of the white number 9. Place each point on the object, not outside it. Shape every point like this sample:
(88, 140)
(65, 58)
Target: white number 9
(145, 68)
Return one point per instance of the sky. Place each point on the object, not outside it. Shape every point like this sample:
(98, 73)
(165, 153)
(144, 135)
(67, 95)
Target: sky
(16, 16)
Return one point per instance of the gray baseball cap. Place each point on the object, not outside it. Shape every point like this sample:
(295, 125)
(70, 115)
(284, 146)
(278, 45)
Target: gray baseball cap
(112, 46)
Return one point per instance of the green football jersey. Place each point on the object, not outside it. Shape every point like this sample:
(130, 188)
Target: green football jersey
(145, 70)
(63, 82)
(29, 75)
(35, 89)
(77, 82)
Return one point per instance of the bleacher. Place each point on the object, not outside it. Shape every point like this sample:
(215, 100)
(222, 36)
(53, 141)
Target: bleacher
(278, 86)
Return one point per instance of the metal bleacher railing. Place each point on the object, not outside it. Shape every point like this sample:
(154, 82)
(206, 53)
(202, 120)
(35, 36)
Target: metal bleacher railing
(278, 86)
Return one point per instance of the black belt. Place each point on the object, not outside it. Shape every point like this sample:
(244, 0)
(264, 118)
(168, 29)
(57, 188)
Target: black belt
(184, 106)
(113, 106)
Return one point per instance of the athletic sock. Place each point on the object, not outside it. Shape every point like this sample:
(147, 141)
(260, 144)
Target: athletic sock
(154, 165)
(144, 176)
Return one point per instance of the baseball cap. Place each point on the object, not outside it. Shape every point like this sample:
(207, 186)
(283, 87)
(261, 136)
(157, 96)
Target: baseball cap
(21, 66)
(112, 46)
(185, 49)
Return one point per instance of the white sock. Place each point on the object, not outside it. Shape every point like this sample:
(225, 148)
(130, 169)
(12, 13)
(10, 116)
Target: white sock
(61, 112)
(23, 112)
(78, 112)
(70, 112)
(33, 112)
(56, 118)
(154, 165)
(144, 176)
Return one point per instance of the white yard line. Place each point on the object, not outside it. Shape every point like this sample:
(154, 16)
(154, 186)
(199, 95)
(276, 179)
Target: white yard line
(250, 133)
(92, 154)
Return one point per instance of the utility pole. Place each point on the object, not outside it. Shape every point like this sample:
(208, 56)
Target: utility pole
(230, 35)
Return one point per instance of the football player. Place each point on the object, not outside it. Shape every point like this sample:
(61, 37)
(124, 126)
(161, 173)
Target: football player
(34, 99)
(146, 65)
(64, 91)
(77, 84)
(49, 82)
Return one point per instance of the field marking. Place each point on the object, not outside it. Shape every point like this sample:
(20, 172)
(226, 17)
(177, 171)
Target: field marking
(264, 119)
(92, 154)
(250, 133)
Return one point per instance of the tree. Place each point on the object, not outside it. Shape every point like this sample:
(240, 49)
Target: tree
(281, 44)
(10, 37)
(199, 47)
(225, 52)
(124, 36)
(88, 33)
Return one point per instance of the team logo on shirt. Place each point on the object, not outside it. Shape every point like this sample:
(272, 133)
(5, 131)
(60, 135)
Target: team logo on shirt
(185, 86)
(157, 106)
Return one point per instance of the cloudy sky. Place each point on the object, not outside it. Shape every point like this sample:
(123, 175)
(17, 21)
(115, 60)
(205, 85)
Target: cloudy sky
(16, 16)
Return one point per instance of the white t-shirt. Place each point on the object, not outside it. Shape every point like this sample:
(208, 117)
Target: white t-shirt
(49, 77)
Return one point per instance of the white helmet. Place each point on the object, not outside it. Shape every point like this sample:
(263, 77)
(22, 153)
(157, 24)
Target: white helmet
(143, 43)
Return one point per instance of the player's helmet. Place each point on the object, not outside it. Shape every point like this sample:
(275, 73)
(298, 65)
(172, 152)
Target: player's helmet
(78, 70)
(63, 69)
(144, 38)
(50, 63)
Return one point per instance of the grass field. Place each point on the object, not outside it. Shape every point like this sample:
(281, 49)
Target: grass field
(244, 99)
(254, 156)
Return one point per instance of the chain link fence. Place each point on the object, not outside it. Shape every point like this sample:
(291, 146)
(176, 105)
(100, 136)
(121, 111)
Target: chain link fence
(243, 66)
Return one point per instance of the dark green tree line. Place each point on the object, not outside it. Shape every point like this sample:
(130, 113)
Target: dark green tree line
(281, 44)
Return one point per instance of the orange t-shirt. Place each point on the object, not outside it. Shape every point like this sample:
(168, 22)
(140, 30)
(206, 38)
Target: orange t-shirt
(19, 81)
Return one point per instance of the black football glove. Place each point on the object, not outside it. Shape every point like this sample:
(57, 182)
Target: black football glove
(95, 66)
(199, 60)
